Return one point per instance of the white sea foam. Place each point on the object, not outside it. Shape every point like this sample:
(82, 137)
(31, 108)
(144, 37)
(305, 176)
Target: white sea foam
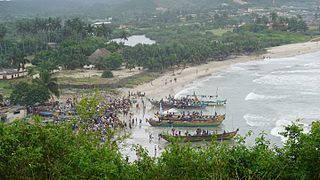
(302, 71)
(292, 79)
(256, 97)
(308, 93)
(257, 120)
(183, 92)
(280, 127)
(235, 68)
(312, 65)
(256, 74)
(304, 119)
(282, 123)
(216, 76)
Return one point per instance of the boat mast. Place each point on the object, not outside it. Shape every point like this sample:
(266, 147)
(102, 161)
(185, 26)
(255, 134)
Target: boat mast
(217, 94)
(161, 110)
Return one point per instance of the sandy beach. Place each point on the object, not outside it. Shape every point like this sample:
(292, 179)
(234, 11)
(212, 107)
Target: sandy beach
(165, 84)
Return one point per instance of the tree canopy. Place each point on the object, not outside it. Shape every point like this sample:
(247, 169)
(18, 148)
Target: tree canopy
(26, 94)
(54, 151)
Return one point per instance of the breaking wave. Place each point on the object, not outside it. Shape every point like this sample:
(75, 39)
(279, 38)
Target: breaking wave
(257, 120)
(256, 97)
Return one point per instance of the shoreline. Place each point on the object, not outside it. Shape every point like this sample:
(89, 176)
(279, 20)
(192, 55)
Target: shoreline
(165, 84)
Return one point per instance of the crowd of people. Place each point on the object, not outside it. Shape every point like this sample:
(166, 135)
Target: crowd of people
(193, 114)
(137, 94)
(198, 132)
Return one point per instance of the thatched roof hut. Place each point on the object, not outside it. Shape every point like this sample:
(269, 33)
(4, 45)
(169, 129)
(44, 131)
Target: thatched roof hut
(99, 53)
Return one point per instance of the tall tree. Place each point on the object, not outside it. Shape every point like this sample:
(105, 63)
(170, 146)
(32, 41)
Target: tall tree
(124, 35)
(17, 58)
(26, 94)
(50, 83)
(1, 99)
(3, 31)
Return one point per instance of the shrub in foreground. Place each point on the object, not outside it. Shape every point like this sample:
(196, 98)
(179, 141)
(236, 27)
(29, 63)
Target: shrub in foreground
(36, 151)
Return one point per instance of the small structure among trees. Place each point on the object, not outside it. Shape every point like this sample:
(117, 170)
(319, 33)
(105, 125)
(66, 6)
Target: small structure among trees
(98, 54)
(7, 114)
(6, 74)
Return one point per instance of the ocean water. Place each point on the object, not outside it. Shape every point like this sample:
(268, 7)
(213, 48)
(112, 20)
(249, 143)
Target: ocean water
(265, 96)
(262, 96)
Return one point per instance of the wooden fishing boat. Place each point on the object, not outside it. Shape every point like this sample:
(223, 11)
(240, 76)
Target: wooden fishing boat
(215, 103)
(180, 117)
(208, 100)
(178, 104)
(197, 138)
(181, 123)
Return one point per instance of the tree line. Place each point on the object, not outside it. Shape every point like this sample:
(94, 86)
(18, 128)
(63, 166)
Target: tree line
(76, 40)
(32, 36)
(275, 23)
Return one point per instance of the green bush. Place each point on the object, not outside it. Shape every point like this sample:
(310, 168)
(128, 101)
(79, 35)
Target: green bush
(55, 151)
(107, 74)
(113, 61)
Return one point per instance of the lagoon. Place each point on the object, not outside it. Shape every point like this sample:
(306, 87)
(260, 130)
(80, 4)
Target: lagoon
(135, 40)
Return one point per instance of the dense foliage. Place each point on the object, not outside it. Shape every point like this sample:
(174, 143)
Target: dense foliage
(54, 42)
(68, 43)
(112, 61)
(126, 8)
(107, 74)
(26, 94)
(39, 91)
(54, 151)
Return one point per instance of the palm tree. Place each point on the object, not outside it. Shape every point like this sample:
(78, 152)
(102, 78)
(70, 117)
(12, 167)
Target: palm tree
(3, 31)
(1, 99)
(124, 35)
(18, 58)
(51, 83)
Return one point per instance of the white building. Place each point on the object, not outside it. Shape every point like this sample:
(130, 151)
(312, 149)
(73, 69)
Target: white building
(8, 114)
(7, 74)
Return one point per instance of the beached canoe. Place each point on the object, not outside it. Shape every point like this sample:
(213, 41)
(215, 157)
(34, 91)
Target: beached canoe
(198, 138)
(178, 104)
(215, 103)
(178, 123)
(180, 117)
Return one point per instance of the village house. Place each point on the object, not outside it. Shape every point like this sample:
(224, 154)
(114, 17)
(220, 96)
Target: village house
(53, 45)
(99, 53)
(8, 114)
(7, 74)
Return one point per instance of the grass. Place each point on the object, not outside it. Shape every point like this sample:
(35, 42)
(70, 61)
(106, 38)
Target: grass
(220, 32)
(138, 79)
(87, 80)
(128, 82)
(5, 88)
(72, 92)
(6, 85)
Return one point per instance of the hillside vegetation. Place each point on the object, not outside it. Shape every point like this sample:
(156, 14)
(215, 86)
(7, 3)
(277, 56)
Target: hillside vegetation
(55, 151)
(102, 8)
